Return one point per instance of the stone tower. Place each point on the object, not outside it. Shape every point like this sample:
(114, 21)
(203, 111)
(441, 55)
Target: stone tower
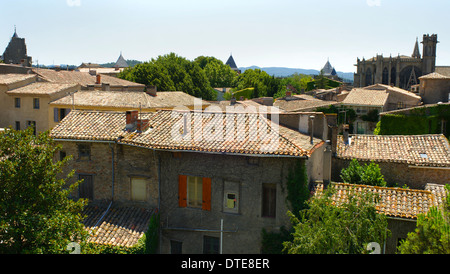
(429, 53)
(16, 51)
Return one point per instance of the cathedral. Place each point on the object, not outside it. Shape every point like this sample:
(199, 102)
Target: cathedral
(16, 52)
(400, 71)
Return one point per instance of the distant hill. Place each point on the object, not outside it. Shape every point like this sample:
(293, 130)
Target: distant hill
(284, 72)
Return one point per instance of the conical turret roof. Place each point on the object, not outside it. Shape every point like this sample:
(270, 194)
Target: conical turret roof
(231, 63)
(416, 52)
(121, 62)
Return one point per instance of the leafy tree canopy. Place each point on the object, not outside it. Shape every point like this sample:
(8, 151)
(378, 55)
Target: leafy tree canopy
(37, 214)
(367, 174)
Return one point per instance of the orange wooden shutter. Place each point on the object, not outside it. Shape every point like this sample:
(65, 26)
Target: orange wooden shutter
(182, 190)
(206, 204)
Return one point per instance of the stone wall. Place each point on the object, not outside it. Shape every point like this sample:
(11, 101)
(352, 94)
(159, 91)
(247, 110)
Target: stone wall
(399, 174)
(243, 228)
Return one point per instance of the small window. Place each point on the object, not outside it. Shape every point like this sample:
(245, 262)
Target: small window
(62, 155)
(254, 161)
(176, 247)
(17, 102)
(84, 152)
(269, 200)
(400, 105)
(231, 197)
(138, 189)
(17, 125)
(86, 188)
(36, 103)
(32, 124)
(211, 245)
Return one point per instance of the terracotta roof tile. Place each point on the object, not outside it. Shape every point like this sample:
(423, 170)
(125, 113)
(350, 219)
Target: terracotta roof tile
(121, 226)
(236, 133)
(417, 150)
(393, 202)
(11, 78)
(41, 88)
(366, 97)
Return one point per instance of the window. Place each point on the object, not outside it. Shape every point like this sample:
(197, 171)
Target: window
(60, 113)
(269, 200)
(17, 125)
(84, 152)
(176, 247)
(36, 103)
(211, 245)
(62, 155)
(17, 102)
(32, 124)
(253, 161)
(194, 192)
(400, 105)
(86, 188)
(360, 127)
(138, 189)
(231, 197)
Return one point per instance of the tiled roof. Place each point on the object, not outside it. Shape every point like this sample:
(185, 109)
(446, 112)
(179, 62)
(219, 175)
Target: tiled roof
(393, 89)
(366, 97)
(393, 202)
(416, 150)
(82, 78)
(234, 133)
(297, 103)
(11, 78)
(128, 99)
(434, 75)
(41, 88)
(121, 226)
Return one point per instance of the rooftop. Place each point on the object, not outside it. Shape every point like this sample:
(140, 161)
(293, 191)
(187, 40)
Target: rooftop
(366, 97)
(11, 78)
(41, 88)
(416, 150)
(393, 202)
(215, 132)
(122, 226)
(297, 103)
(128, 99)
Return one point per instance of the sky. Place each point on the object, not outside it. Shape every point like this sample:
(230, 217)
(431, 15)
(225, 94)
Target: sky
(264, 33)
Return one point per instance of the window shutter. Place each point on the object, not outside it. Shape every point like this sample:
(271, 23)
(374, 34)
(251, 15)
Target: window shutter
(182, 190)
(206, 204)
(55, 115)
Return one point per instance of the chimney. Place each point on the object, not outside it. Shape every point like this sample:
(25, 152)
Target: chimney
(152, 90)
(288, 93)
(142, 125)
(327, 163)
(311, 129)
(232, 101)
(92, 72)
(105, 86)
(99, 79)
(131, 120)
(345, 133)
(90, 87)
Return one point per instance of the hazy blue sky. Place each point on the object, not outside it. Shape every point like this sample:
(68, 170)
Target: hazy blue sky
(282, 33)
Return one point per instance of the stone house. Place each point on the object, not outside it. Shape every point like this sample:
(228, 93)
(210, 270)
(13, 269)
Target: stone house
(379, 98)
(214, 177)
(434, 88)
(401, 206)
(411, 160)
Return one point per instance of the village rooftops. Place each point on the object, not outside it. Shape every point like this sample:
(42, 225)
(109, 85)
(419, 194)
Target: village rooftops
(393, 202)
(41, 88)
(101, 99)
(11, 78)
(415, 150)
(214, 132)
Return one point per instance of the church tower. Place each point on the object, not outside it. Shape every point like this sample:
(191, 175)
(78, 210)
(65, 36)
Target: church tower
(429, 53)
(16, 52)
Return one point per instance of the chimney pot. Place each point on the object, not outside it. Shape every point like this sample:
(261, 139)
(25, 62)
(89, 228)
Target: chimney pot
(99, 79)
(105, 86)
(131, 119)
(142, 125)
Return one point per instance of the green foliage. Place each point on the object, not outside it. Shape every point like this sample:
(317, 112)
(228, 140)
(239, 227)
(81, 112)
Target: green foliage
(344, 114)
(272, 242)
(369, 174)
(426, 120)
(218, 74)
(262, 83)
(247, 93)
(324, 228)
(37, 214)
(371, 116)
(297, 187)
(432, 234)
(171, 73)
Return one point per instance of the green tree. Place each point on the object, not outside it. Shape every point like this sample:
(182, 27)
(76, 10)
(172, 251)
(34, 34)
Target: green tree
(37, 215)
(171, 73)
(218, 74)
(432, 234)
(263, 83)
(369, 174)
(348, 228)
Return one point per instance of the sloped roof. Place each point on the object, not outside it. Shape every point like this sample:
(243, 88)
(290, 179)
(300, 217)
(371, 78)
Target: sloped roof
(231, 62)
(434, 75)
(41, 88)
(121, 226)
(328, 69)
(416, 52)
(121, 62)
(11, 78)
(418, 150)
(231, 133)
(128, 99)
(393, 202)
(366, 97)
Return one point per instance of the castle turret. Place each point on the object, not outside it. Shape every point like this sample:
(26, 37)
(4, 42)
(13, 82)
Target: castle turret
(16, 51)
(429, 53)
